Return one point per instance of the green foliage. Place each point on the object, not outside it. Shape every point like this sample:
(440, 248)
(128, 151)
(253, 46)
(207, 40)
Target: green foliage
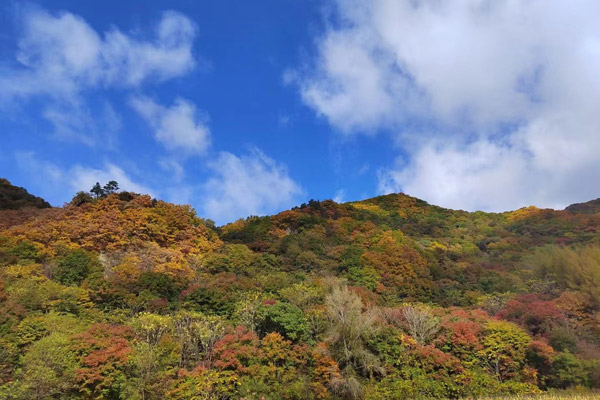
(48, 371)
(159, 285)
(285, 319)
(563, 339)
(568, 371)
(81, 198)
(73, 266)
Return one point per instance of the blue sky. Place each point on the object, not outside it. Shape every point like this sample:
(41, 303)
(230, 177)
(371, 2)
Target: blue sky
(243, 108)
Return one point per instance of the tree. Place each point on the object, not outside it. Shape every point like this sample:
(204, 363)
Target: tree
(111, 187)
(49, 371)
(74, 266)
(286, 319)
(81, 198)
(198, 335)
(103, 352)
(575, 269)
(97, 191)
(504, 348)
(151, 327)
(349, 331)
(421, 324)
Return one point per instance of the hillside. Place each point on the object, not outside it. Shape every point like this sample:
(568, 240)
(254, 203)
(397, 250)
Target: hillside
(129, 297)
(15, 198)
(590, 207)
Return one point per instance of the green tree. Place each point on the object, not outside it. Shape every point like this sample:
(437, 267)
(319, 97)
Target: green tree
(81, 198)
(97, 190)
(74, 266)
(111, 187)
(285, 319)
(49, 371)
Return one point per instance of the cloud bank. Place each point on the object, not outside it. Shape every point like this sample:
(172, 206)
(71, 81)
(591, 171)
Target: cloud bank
(495, 101)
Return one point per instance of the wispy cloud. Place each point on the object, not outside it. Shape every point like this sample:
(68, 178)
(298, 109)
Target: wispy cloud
(78, 122)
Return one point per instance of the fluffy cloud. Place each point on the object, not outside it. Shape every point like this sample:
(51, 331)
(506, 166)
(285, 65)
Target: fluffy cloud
(60, 55)
(503, 95)
(249, 185)
(179, 127)
(58, 184)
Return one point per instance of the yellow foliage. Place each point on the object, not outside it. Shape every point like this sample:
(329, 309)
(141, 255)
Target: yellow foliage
(522, 213)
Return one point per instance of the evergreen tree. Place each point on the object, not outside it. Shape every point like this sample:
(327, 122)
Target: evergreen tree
(97, 191)
(111, 187)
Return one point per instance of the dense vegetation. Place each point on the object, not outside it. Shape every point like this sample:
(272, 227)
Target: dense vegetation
(120, 296)
(15, 198)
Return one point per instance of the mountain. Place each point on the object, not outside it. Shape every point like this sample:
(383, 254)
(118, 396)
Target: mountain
(389, 297)
(14, 197)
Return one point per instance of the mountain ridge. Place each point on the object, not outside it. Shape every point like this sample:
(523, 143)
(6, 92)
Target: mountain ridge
(15, 197)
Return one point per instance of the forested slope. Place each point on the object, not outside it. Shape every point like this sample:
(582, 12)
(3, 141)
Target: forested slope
(14, 197)
(127, 297)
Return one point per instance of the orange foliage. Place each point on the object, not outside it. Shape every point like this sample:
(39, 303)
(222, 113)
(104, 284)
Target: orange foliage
(396, 263)
(112, 224)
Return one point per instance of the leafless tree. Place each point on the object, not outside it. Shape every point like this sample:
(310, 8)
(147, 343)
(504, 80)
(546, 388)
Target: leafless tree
(421, 323)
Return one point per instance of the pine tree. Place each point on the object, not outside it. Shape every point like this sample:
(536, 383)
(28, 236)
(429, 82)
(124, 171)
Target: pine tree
(97, 191)
(111, 187)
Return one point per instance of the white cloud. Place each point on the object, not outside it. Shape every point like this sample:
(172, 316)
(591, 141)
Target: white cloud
(503, 95)
(340, 196)
(249, 185)
(179, 127)
(58, 184)
(59, 55)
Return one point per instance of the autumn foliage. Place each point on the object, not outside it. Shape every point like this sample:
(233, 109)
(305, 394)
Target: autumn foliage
(121, 296)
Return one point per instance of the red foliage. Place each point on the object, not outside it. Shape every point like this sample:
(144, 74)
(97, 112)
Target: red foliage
(464, 333)
(538, 316)
(189, 290)
(104, 351)
(435, 362)
(235, 350)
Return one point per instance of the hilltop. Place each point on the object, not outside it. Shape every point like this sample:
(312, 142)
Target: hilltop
(389, 297)
(15, 198)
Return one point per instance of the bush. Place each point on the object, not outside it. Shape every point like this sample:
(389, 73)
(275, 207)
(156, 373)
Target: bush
(285, 319)
(74, 266)
(562, 339)
(159, 285)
